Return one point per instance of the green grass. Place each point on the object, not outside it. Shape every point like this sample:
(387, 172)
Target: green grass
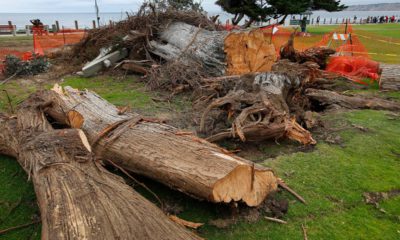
(380, 40)
(119, 92)
(17, 201)
(390, 30)
(16, 38)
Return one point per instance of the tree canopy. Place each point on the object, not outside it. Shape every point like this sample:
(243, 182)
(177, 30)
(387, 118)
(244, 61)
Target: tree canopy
(263, 10)
(184, 5)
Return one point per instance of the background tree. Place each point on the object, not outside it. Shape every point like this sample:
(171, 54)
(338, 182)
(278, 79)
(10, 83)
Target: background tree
(182, 5)
(264, 10)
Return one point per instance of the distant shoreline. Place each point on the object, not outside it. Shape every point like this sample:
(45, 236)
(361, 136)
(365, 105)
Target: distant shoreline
(375, 7)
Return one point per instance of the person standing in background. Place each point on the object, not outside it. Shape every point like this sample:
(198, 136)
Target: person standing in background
(318, 18)
(303, 24)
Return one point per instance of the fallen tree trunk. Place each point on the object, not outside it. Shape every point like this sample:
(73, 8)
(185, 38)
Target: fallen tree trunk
(326, 98)
(77, 197)
(390, 77)
(218, 51)
(161, 152)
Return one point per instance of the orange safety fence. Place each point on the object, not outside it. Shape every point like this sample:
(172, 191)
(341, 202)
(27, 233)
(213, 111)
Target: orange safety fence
(44, 42)
(352, 59)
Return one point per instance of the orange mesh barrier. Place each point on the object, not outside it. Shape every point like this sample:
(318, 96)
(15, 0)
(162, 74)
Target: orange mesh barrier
(44, 42)
(352, 60)
(356, 68)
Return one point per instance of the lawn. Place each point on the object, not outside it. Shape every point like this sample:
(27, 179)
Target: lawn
(332, 177)
(382, 41)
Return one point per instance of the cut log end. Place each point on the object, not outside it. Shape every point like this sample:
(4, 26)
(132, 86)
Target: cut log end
(241, 185)
(75, 119)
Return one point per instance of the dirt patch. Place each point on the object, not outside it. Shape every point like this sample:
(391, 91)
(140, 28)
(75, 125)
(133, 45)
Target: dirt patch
(272, 206)
(374, 198)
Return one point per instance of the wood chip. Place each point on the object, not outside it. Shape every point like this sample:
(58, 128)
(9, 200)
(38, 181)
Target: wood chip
(276, 220)
(185, 223)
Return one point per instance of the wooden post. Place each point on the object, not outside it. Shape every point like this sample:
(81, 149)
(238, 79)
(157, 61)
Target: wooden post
(28, 30)
(337, 20)
(94, 24)
(312, 21)
(330, 21)
(324, 21)
(58, 26)
(76, 25)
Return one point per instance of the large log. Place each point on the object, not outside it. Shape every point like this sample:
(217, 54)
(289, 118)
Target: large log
(326, 98)
(390, 77)
(219, 51)
(77, 197)
(161, 152)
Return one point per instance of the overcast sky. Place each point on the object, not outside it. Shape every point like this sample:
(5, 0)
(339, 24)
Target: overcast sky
(17, 6)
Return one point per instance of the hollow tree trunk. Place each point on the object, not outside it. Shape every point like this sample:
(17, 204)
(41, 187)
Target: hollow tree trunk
(77, 197)
(162, 152)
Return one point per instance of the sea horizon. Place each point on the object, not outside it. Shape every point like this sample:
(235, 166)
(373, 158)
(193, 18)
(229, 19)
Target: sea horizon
(67, 19)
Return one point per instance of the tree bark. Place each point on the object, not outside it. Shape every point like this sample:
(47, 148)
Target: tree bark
(390, 77)
(77, 197)
(161, 152)
(182, 41)
(219, 52)
(326, 98)
(256, 104)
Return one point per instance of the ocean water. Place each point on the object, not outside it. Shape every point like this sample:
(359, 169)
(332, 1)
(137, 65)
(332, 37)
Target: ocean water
(85, 19)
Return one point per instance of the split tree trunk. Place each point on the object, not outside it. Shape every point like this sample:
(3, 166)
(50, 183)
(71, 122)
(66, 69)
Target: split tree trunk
(77, 197)
(161, 152)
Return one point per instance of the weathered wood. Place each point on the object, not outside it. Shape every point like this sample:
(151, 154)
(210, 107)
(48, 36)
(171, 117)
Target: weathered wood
(184, 162)
(390, 77)
(77, 197)
(326, 98)
(219, 51)
(248, 51)
(179, 39)
(258, 107)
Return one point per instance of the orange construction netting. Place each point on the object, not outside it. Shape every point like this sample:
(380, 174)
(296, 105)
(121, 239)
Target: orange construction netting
(44, 41)
(352, 59)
